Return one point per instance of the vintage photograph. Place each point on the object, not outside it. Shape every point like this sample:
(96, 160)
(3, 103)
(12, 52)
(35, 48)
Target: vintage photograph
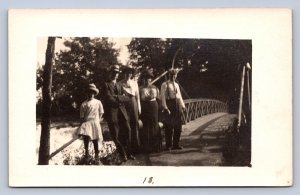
(150, 97)
(143, 101)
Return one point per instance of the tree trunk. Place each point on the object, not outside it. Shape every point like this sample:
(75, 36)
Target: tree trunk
(46, 104)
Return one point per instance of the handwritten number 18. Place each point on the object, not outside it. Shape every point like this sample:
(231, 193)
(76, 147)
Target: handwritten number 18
(148, 180)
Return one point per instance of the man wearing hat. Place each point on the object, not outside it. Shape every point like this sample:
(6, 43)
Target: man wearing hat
(173, 104)
(115, 98)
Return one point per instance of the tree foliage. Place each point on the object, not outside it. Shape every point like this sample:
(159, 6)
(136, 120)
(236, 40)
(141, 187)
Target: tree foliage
(214, 64)
(84, 61)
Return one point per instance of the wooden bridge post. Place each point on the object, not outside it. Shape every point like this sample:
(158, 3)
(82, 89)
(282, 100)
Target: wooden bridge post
(241, 98)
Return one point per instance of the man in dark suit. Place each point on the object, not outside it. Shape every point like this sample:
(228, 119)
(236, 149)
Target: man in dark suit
(117, 118)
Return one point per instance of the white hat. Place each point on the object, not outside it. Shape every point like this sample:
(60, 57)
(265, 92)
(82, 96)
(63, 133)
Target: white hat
(93, 87)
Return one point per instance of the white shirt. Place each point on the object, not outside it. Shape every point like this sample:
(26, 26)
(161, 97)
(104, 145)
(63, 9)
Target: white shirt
(170, 90)
(132, 88)
(149, 93)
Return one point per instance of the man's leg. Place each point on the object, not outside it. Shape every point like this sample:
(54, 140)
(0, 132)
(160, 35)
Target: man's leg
(176, 136)
(168, 136)
(177, 111)
(125, 138)
(114, 131)
(135, 137)
(170, 127)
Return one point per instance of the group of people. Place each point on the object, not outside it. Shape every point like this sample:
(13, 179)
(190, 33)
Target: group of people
(125, 103)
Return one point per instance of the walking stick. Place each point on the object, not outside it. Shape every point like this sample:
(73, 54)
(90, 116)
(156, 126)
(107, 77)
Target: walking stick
(152, 82)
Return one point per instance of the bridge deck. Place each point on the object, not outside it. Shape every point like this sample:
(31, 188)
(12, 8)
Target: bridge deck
(205, 151)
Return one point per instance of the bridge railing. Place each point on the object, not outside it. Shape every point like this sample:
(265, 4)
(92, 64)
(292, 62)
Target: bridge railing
(196, 108)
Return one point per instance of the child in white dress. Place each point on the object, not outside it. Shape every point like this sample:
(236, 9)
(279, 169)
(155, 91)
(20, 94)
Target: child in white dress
(91, 112)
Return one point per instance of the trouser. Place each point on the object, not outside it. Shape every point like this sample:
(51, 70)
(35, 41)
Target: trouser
(120, 133)
(172, 135)
(173, 126)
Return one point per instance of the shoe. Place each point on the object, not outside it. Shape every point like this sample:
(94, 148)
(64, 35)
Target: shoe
(86, 157)
(177, 148)
(131, 157)
(97, 162)
(119, 162)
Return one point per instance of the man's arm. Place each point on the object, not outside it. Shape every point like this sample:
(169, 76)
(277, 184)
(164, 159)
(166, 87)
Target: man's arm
(111, 98)
(163, 97)
(123, 98)
(180, 97)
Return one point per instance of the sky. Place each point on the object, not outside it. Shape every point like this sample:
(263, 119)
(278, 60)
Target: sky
(42, 45)
(121, 44)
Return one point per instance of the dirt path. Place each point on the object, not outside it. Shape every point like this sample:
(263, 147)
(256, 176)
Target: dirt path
(206, 151)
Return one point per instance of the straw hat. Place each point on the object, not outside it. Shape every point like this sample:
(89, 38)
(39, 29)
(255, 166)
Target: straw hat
(93, 87)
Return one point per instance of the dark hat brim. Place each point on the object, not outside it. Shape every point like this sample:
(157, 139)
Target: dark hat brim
(114, 70)
(128, 69)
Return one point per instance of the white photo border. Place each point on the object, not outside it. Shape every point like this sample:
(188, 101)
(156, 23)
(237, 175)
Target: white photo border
(271, 33)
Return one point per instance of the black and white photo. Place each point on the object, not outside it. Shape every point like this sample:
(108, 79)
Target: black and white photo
(150, 97)
(167, 101)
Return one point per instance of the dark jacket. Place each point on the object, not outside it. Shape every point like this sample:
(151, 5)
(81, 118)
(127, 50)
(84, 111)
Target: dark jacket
(115, 99)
